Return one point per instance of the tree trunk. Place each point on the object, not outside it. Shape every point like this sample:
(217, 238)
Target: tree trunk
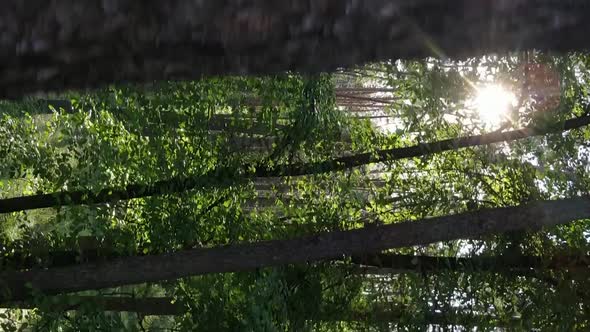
(42, 107)
(49, 106)
(218, 123)
(410, 263)
(159, 306)
(225, 176)
(16, 286)
(163, 306)
(65, 44)
(383, 263)
(389, 313)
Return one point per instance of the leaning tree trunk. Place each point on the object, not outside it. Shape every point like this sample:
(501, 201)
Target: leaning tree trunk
(396, 263)
(391, 314)
(225, 176)
(64, 44)
(15, 286)
(160, 306)
(164, 306)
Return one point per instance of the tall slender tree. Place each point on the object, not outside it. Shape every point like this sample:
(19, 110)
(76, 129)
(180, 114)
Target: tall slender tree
(333, 245)
(226, 175)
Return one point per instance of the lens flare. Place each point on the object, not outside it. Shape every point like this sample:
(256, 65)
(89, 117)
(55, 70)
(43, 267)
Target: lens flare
(493, 104)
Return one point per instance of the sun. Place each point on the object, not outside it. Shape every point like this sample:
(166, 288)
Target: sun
(493, 103)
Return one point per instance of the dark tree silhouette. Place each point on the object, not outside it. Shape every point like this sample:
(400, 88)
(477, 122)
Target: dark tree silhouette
(396, 263)
(19, 285)
(161, 306)
(65, 44)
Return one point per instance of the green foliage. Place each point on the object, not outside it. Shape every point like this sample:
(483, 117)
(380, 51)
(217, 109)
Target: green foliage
(140, 135)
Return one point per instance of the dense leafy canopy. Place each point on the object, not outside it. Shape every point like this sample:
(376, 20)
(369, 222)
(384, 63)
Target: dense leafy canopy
(210, 129)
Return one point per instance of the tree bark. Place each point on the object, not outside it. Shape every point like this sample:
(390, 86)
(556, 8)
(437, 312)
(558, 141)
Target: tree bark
(49, 106)
(16, 286)
(411, 263)
(383, 263)
(65, 44)
(159, 306)
(389, 313)
(225, 176)
(44, 106)
(163, 306)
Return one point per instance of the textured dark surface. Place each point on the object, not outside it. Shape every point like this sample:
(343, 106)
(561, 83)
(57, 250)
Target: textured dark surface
(16, 286)
(59, 44)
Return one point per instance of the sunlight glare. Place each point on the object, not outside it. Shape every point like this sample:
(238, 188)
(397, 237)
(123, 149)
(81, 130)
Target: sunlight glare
(493, 103)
